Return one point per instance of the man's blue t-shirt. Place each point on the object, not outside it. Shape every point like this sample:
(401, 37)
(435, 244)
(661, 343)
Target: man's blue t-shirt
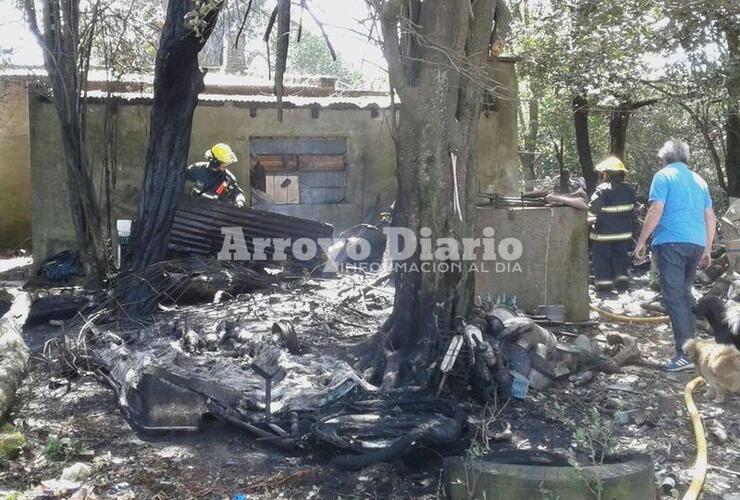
(685, 196)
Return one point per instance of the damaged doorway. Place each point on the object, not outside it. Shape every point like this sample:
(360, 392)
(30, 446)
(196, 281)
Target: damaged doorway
(300, 170)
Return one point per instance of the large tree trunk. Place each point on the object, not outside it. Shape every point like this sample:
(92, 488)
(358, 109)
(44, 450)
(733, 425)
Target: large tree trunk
(14, 352)
(439, 116)
(732, 159)
(583, 141)
(704, 128)
(177, 83)
(529, 156)
(619, 122)
(732, 124)
(66, 58)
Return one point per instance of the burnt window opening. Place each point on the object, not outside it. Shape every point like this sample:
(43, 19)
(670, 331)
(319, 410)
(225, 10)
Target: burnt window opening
(300, 170)
(490, 101)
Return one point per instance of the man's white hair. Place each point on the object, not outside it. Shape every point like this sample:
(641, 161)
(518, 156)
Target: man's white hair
(674, 151)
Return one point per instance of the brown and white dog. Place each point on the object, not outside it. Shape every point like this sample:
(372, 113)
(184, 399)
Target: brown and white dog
(719, 364)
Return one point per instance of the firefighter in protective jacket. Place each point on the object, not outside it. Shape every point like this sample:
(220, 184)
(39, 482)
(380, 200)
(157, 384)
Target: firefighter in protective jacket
(613, 203)
(211, 179)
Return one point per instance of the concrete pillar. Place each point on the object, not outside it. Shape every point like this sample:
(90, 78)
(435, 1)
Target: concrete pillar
(498, 136)
(552, 267)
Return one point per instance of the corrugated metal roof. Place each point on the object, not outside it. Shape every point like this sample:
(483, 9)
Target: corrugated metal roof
(300, 92)
(335, 101)
(211, 77)
(299, 101)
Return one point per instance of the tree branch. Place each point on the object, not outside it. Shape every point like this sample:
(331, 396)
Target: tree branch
(643, 103)
(300, 21)
(242, 25)
(703, 129)
(33, 24)
(323, 33)
(270, 24)
(390, 16)
(281, 51)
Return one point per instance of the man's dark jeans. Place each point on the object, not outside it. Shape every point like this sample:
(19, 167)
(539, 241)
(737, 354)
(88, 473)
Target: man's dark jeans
(677, 263)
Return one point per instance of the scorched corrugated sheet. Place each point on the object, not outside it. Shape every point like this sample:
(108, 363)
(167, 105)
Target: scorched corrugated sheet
(197, 225)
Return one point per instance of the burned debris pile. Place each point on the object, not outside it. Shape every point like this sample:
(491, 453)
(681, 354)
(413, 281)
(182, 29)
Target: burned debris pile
(267, 351)
(247, 363)
(399, 424)
(191, 280)
(500, 353)
(270, 352)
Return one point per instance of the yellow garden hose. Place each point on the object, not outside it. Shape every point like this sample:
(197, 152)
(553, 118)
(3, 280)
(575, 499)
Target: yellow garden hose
(629, 319)
(700, 465)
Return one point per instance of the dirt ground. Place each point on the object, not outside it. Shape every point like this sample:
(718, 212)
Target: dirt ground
(79, 415)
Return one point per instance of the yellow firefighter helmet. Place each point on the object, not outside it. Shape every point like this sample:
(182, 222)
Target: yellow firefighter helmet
(221, 152)
(611, 164)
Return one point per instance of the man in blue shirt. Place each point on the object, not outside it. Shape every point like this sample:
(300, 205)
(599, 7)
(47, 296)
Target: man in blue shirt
(683, 224)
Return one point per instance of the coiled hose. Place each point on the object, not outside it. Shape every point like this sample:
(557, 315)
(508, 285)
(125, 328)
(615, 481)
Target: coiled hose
(629, 319)
(700, 465)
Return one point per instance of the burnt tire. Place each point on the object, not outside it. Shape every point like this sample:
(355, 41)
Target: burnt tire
(372, 431)
(626, 477)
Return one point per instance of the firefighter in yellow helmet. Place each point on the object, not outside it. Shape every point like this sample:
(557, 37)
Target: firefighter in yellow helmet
(211, 179)
(613, 203)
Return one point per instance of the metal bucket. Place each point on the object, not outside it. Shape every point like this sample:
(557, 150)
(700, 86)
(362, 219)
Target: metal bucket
(553, 312)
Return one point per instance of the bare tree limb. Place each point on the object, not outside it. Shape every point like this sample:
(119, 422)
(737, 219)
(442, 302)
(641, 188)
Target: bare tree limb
(323, 33)
(242, 25)
(270, 24)
(300, 21)
(281, 55)
(269, 66)
(390, 17)
(701, 124)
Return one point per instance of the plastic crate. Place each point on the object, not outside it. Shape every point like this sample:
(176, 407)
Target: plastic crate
(519, 385)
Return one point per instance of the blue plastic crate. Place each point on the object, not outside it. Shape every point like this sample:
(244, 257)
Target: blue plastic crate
(519, 385)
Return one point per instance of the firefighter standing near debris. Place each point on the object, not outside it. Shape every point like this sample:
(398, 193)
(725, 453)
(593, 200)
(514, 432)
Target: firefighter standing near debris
(211, 179)
(613, 204)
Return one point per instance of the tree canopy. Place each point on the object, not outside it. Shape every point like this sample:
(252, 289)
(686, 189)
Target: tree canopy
(618, 56)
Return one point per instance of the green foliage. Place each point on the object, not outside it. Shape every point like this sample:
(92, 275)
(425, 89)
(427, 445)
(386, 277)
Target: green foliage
(616, 51)
(197, 19)
(312, 57)
(127, 36)
(556, 125)
(59, 450)
(75, 447)
(585, 47)
(649, 129)
(593, 434)
(54, 450)
(11, 443)
(547, 494)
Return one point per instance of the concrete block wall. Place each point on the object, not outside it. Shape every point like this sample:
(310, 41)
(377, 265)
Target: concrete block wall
(553, 267)
(15, 171)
